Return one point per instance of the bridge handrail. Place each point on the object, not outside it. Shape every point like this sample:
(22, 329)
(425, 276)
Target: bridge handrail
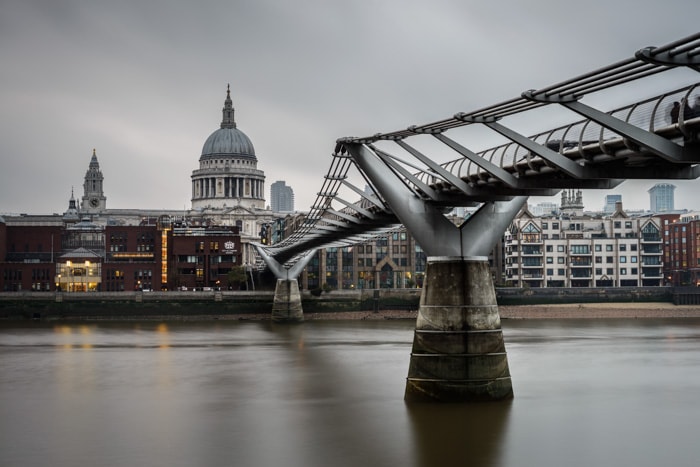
(575, 147)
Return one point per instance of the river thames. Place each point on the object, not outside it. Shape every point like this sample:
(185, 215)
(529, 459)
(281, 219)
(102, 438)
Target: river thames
(595, 392)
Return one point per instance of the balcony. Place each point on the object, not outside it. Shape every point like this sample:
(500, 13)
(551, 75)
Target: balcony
(652, 273)
(531, 240)
(581, 274)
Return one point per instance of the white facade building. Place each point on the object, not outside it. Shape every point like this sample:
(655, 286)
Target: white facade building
(583, 251)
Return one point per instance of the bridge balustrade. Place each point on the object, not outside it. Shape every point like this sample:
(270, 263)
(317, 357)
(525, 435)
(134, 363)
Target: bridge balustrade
(580, 139)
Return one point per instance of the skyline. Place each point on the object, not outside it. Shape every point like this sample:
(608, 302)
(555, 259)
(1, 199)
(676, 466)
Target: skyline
(144, 84)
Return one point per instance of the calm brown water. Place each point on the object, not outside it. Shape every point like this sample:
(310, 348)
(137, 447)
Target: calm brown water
(587, 393)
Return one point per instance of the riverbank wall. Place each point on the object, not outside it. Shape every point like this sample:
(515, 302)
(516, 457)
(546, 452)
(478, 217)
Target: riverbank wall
(387, 303)
(191, 305)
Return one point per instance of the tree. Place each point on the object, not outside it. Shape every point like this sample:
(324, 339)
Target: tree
(236, 276)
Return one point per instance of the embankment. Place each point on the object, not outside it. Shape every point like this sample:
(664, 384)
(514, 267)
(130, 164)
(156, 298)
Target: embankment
(352, 304)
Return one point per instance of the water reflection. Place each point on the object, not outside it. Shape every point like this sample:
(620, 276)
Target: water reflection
(610, 392)
(457, 434)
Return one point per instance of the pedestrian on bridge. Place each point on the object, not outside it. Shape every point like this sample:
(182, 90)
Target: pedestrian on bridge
(675, 111)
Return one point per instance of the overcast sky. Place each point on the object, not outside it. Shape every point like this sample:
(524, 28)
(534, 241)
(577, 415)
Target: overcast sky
(143, 82)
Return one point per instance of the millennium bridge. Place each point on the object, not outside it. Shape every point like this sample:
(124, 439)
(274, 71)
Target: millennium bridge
(418, 174)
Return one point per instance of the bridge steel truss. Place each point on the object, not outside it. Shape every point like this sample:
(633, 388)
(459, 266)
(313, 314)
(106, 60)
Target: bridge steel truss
(458, 351)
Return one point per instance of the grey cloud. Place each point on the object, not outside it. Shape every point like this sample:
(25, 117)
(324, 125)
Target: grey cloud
(144, 82)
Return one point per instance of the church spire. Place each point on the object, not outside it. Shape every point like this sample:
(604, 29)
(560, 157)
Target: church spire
(93, 161)
(228, 111)
(73, 211)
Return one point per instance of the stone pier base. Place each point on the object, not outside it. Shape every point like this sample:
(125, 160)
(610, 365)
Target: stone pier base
(287, 302)
(458, 350)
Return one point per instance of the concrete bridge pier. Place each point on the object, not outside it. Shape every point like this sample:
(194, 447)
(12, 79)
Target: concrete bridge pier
(458, 350)
(286, 306)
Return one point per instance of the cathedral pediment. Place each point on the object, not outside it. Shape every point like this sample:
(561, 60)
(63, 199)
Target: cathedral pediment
(239, 211)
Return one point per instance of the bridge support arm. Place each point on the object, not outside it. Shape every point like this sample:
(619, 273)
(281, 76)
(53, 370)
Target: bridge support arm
(433, 232)
(436, 234)
(286, 306)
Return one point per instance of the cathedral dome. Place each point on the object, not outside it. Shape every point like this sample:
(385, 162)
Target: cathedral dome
(228, 140)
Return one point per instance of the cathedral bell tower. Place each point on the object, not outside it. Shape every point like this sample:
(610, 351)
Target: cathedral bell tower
(94, 200)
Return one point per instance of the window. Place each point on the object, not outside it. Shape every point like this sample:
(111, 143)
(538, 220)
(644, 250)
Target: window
(609, 271)
(531, 234)
(561, 272)
(545, 225)
(560, 248)
(555, 225)
(560, 260)
(623, 271)
(633, 259)
(609, 259)
(549, 260)
(598, 259)
(623, 247)
(598, 248)
(549, 248)
(608, 248)
(623, 259)
(599, 271)
(580, 249)
(550, 272)
(628, 224)
(617, 224)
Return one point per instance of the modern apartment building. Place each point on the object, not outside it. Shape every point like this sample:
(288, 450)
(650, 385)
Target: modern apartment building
(573, 250)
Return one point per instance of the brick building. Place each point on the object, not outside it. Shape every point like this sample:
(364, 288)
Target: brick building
(46, 255)
(681, 237)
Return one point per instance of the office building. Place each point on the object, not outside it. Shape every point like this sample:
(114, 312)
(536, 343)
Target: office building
(281, 197)
(610, 202)
(661, 197)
